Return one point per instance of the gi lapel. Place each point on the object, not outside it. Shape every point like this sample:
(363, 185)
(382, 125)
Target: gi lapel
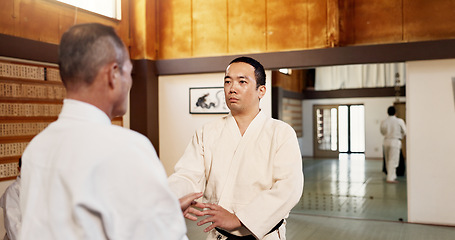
(252, 131)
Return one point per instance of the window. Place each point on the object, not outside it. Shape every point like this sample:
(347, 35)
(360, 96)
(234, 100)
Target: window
(108, 8)
(352, 128)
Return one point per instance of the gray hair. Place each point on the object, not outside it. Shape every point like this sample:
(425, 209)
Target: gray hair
(84, 49)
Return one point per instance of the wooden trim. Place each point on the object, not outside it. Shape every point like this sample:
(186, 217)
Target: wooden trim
(381, 53)
(355, 93)
(293, 95)
(16, 47)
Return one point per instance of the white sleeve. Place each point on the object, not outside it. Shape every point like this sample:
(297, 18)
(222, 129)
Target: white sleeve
(189, 175)
(11, 211)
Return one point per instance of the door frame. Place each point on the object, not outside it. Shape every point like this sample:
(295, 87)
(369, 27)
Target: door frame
(316, 151)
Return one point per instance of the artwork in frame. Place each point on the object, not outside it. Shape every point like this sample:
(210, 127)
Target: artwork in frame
(205, 100)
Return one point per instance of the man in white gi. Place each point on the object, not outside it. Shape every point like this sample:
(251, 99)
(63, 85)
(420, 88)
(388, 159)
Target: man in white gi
(11, 209)
(248, 166)
(393, 129)
(84, 178)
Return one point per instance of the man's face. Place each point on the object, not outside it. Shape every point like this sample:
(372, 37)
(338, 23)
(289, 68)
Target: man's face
(240, 89)
(124, 84)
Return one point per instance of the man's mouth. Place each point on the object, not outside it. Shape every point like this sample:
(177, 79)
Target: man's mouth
(233, 99)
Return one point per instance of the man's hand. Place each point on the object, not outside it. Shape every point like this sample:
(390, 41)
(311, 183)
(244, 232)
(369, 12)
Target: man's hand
(219, 217)
(187, 204)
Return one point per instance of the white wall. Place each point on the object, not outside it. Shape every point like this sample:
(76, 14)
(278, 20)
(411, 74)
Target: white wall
(431, 144)
(375, 112)
(177, 125)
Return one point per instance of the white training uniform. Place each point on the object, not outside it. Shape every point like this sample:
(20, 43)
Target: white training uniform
(393, 129)
(11, 210)
(84, 178)
(257, 176)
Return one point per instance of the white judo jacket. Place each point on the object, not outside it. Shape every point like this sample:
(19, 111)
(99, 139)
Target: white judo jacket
(257, 176)
(393, 129)
(84, 178)
(11, 210)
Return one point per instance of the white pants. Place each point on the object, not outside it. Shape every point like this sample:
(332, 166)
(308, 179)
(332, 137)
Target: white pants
(392, 158)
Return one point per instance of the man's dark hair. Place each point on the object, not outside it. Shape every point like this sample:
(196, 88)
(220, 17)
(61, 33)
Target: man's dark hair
(84, 49)
(391, 111)
(259, 71)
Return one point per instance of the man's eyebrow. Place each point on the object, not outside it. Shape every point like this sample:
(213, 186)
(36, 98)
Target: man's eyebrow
(241, 77)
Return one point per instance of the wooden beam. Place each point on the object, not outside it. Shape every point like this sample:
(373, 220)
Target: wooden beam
(355, 93)
(381, 53)
(16, 47)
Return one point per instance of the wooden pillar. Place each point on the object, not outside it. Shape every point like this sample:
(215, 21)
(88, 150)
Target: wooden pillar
(144, 92)
(144, 100)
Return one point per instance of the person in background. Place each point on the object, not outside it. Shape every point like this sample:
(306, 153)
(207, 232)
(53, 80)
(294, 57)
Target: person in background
(11, 209)
(248, 165)
(393, 129)
(85, 178)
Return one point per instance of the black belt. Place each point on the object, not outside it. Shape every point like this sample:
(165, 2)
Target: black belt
(247, 237)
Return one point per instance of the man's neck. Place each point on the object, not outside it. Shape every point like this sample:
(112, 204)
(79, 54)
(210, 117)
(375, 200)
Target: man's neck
(93, 99)
(244, 120)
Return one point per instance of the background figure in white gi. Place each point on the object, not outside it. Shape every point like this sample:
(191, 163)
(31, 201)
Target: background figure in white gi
(248, 165)
(11, 209)
(84, 178)
(393, 129)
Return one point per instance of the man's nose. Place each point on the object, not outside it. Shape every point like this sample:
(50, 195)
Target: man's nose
(233, 87)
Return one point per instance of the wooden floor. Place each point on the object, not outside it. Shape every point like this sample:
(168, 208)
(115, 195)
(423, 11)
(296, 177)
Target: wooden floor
(347, 198)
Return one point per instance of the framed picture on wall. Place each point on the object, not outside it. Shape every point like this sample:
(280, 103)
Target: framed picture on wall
(207, 100)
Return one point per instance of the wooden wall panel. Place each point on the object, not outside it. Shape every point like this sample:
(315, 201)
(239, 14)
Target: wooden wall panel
(429, 20)
(196, 28)
(377, 21)
(46, 21)
(292, 114)
(317, 24)
(291, 82)
(151, 34)
(36, 22)
(287, 25)
(175, 29)
(209, 27)
(143, 29)
(7, 17)
(247, 26)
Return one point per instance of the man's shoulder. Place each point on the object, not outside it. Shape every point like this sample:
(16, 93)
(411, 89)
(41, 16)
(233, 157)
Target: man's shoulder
(217, 122)
(128, 134)
(276, 123)
(278, 128)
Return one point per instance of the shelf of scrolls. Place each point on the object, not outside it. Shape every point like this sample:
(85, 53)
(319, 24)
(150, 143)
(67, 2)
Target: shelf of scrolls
(31, 97)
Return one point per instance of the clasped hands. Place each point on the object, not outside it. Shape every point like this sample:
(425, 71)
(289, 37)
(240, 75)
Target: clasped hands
(217, 215)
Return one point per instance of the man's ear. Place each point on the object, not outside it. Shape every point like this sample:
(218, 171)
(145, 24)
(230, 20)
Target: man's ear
(113, 73)
(261, 90)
